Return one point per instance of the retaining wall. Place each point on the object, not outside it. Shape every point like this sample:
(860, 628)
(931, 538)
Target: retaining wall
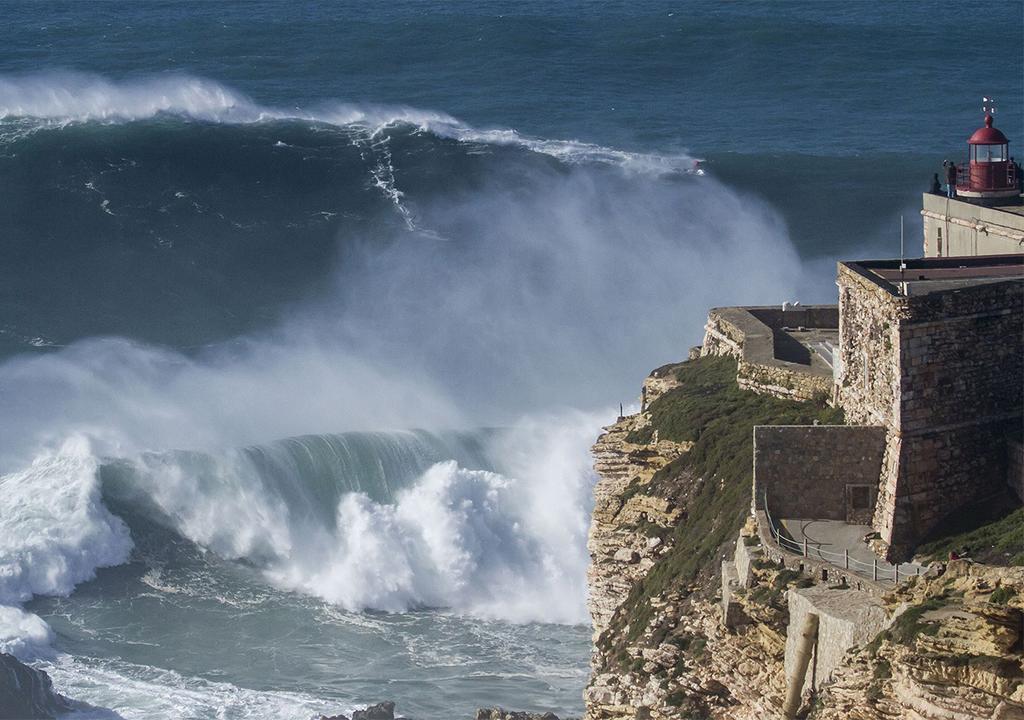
(846, 619)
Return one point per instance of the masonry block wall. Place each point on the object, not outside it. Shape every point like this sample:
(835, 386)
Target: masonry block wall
(944, 373)
(808, 471)
(748, 334)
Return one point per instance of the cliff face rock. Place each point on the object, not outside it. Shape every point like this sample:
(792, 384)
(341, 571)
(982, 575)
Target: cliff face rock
(682, 663)
(950, 647)
(954, 653)
(621, 552)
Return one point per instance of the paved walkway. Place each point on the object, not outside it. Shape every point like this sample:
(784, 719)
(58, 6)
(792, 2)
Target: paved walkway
(830, 540)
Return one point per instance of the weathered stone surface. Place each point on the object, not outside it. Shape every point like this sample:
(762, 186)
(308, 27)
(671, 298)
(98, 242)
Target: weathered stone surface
(749, 335)
(944, 374)
(686, 663)
(846, 619)
(807, 471)
(380, 711)
(502, 714)
(620, 553)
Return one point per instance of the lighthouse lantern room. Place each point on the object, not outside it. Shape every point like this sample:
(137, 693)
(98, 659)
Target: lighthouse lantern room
(989, 174)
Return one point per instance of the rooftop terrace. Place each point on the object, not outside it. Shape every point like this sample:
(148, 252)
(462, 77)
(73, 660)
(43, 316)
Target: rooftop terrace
(923, 276)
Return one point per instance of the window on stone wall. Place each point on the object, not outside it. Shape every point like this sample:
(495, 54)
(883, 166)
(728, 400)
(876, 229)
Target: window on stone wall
(860, 497)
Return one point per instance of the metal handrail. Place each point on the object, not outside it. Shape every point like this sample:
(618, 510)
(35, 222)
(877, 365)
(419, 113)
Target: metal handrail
(876, 570)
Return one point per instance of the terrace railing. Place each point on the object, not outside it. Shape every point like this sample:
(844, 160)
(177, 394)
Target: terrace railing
(876, 570)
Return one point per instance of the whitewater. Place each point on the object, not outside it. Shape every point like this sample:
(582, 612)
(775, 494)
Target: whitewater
(252, 525)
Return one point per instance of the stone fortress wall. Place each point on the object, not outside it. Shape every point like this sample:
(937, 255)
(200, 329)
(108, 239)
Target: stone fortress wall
(943, 372)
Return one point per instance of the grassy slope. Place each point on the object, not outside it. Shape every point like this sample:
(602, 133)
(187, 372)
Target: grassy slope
(998, 541)
(709, 409)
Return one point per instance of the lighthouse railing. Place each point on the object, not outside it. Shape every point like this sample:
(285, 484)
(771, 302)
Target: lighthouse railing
(986, 176)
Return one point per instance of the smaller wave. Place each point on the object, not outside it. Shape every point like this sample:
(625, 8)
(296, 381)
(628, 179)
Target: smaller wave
(81, 97)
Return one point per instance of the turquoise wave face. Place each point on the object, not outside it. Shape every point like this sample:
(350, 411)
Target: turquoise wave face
(256, 576)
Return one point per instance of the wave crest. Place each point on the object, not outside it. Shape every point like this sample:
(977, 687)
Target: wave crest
(39, 100)
(407, 523)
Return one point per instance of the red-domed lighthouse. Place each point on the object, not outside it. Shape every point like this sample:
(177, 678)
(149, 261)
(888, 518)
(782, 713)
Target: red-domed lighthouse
(989, 178)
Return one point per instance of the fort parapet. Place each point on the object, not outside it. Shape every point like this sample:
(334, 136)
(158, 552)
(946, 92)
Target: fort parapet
(786, 353)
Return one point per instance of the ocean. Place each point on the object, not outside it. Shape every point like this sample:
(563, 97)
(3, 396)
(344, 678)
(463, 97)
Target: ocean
(310, 312)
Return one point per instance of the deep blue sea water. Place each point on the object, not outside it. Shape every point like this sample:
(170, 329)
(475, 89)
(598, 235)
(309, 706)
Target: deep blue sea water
(245, 248)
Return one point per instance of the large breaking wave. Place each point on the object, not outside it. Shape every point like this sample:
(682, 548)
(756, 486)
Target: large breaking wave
(447, 277)
(56, 99)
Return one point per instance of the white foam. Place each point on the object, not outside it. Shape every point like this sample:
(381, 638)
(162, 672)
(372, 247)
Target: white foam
(54, 529)
(143, 692)
(70, 97)
(478, 542)
(54, 533)
(23, 634)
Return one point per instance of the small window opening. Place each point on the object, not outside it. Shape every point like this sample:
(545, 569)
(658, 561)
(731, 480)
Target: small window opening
(860, 497)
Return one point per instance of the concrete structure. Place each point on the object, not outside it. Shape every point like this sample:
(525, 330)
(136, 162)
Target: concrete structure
(955, 227)
(787, 353)
(845, 619)
(934, 353)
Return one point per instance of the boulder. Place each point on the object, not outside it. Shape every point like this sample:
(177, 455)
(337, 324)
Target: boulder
(502, 714)
(380, 711)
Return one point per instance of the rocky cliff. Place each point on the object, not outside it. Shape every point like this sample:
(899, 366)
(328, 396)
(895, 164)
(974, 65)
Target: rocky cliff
(672, 501)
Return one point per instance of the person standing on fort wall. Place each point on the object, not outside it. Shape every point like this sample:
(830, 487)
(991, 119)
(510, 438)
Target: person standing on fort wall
(950, 178)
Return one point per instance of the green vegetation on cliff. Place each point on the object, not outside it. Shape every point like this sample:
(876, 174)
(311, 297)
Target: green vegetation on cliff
(990, 532)
(711, 482)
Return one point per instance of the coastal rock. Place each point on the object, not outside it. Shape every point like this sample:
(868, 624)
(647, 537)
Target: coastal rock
(380, 711)
(27, 693)
(502, 714)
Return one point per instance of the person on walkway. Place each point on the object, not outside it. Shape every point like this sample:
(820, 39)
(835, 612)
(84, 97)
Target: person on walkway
(950, 179)
(936, 188)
